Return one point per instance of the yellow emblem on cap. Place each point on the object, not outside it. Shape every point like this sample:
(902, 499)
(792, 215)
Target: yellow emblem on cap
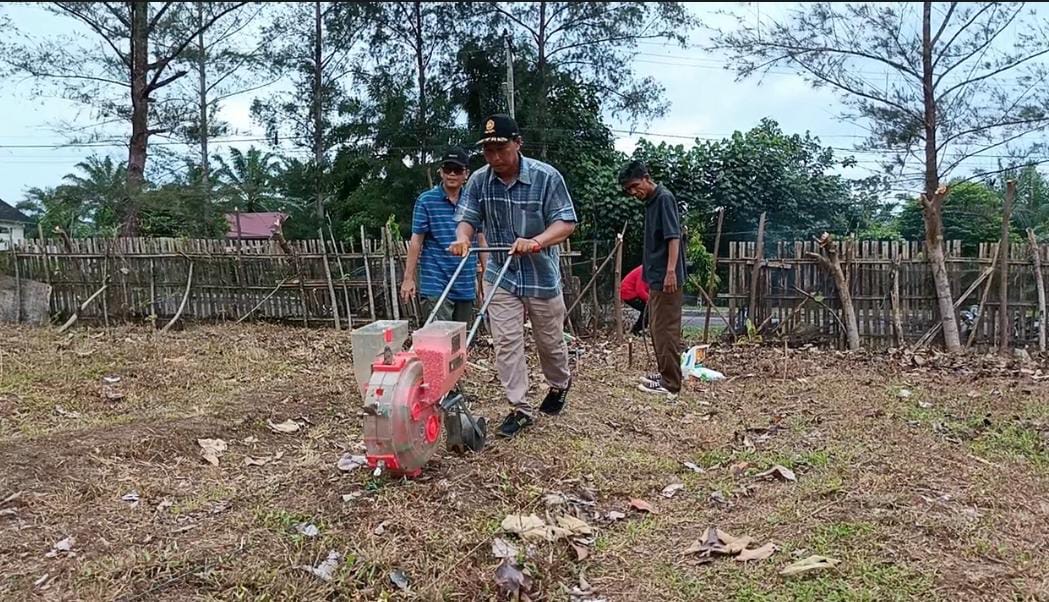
(489, 128)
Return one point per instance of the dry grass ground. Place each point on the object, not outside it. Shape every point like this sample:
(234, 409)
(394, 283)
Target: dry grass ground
(939, 495)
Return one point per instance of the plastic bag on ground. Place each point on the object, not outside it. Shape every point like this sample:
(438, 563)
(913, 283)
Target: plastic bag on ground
(692, 367)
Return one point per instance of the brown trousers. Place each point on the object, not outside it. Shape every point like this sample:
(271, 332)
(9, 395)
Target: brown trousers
(665, 323)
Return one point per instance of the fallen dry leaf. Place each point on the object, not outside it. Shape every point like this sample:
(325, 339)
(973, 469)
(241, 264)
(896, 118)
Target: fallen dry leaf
(251, 440)
(573, 524)
(250, 461)
(738, 468)
(734, 545)
(381, 528)
(308, 529)
(615, 515)
(511, 581)
(670, 490)
(812, 563)
(288, 426)
(642, 506)
(211, 449)
(521, 524)
(581, 552)
(534, 528)
(503, 549)
(780, 472)
(757, 553)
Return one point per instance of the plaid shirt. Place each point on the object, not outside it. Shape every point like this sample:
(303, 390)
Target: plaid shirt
(526, 208)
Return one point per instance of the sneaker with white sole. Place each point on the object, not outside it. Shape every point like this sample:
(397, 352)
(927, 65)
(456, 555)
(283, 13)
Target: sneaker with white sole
(651, 380)
(655, 387)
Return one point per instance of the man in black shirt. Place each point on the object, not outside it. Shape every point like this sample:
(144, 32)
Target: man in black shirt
(664, 272)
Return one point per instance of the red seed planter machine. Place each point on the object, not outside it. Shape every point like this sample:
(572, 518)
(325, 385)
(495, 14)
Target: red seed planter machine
(411, 396)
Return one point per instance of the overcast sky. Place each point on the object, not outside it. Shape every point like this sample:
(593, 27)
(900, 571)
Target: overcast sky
(705, 102)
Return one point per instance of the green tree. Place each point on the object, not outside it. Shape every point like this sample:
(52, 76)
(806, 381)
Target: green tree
(101, 185)
(314, 46)
(58, 206)
(954, 80)
(762, 170)
(592, 43)
(248, 181)
(972, 213)
(119, 64)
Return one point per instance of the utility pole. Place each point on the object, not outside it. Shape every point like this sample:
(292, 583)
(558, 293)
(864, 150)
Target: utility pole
(509, 83)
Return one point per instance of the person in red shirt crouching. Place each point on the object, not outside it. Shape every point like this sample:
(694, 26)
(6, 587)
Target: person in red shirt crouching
(634, 292)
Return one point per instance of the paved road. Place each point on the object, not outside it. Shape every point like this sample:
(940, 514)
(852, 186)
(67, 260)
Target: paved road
(693, 316)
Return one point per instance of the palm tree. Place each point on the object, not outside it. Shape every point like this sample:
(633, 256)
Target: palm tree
(102, 187)
(249, 180)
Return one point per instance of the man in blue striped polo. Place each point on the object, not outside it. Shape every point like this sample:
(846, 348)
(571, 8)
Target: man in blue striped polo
(524, 204)
(433, 231)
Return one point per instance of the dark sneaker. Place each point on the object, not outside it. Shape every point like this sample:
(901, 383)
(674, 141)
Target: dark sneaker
(514, 423)
(650, 380)
(656, 388)
(555, 400)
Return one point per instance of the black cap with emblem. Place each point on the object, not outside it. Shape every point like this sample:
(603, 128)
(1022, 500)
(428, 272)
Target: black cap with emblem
(499, 128)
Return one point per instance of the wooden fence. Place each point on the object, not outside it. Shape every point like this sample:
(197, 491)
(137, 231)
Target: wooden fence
(226, 280)
(786, 270)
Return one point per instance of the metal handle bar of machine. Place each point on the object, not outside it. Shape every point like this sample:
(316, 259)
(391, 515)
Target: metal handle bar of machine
(487, 301)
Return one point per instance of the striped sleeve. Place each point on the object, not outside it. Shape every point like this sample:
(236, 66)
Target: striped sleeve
(420, 217)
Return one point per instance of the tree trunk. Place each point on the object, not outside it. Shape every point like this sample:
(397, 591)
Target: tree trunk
(205, 172)
(1004, 323)
(318, 133)
(1039, 280)
(136, 165)
(540, 122)
(832, 264)
(420, 66)
(932, 199)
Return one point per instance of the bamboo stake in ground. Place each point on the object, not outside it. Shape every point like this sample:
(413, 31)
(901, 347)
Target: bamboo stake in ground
(395, 301)
(327, 276)
(706, 297)
(368, 276)
(755, 275)
(1036, 257)
(593, 278)
(894, 299)
(983, 301)
(713, 288)
(616, 301)
(1003, 268)
(342, 276)
(185, 298)
(18, 285)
